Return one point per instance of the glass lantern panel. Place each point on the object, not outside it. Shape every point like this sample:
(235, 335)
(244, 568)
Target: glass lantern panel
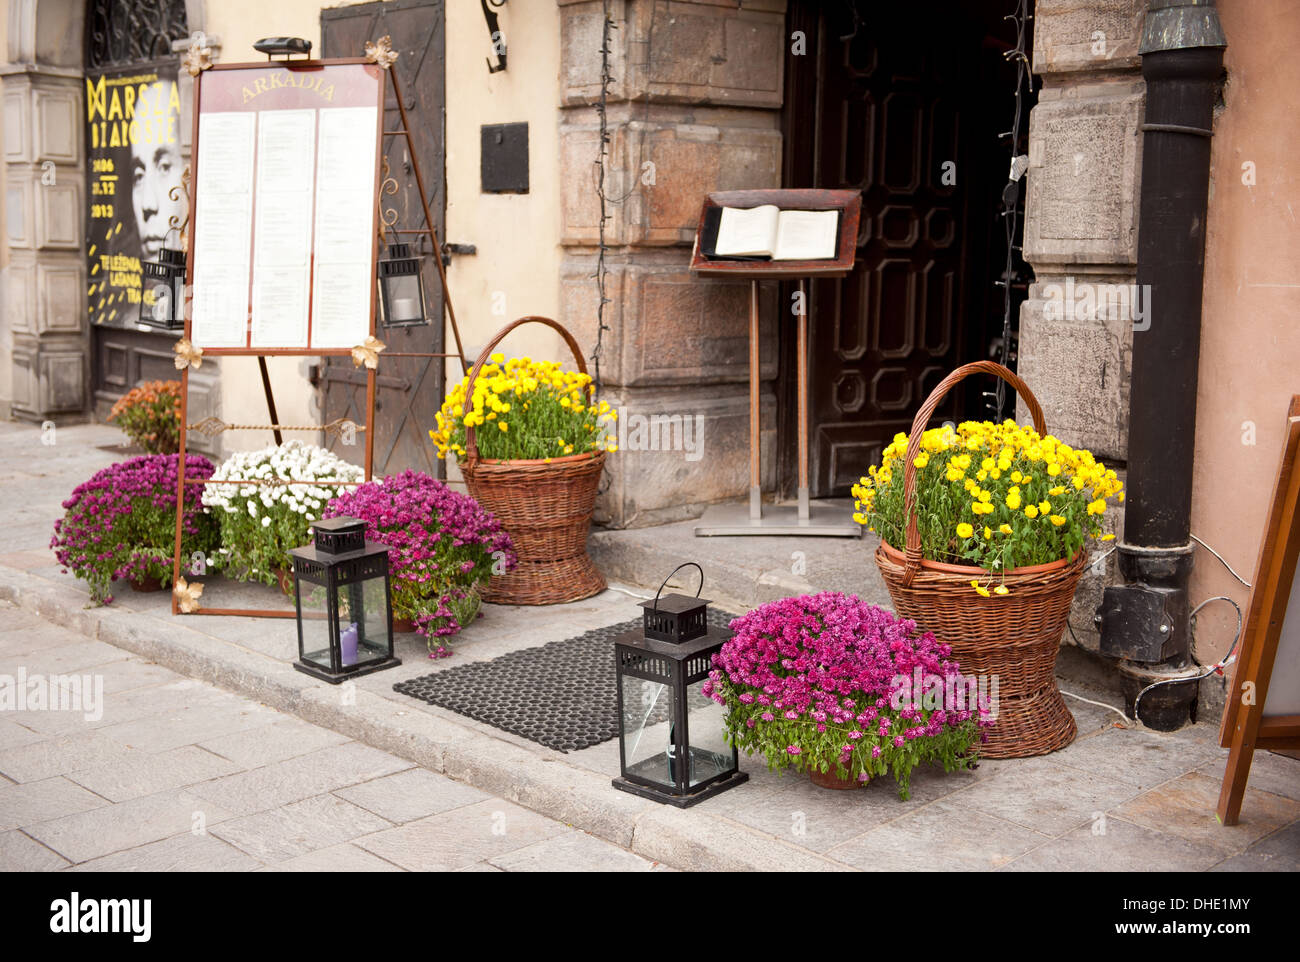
(648, 730)
(404, 302)
(314, 624)
(363, 622)
(710, 755)
(156, 301)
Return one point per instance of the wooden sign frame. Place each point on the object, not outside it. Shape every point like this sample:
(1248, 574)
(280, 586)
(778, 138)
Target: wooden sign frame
(384, 222)
(847, 202)
(1245, 727)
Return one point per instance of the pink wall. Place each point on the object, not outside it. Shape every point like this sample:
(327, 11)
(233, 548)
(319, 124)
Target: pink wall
(1250, 335)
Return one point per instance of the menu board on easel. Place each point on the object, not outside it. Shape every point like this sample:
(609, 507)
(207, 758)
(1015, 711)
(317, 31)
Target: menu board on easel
(286, 176)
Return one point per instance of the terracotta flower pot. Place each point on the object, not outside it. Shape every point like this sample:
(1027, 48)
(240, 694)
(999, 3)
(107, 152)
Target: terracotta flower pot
(147, 584)
(403, 626)
(835, 777)
(285, 577)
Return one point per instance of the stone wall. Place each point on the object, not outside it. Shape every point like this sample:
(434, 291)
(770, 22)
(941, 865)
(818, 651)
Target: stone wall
(694, 107)
(1077, 327)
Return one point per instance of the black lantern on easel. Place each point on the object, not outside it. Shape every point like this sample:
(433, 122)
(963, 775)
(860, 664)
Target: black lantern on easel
(343, 603)
(162, 291)
(672, 737)
(401, 288)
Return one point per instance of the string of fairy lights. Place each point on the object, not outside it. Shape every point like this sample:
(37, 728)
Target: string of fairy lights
(602, 269)
(1011, 209)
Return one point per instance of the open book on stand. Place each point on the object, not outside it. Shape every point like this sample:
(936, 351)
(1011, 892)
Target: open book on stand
(769, 233)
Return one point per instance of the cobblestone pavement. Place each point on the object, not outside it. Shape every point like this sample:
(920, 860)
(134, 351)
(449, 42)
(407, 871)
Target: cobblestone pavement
(164, 773)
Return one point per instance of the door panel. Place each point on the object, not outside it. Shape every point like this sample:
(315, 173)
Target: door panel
(409, 390)
(906, 109)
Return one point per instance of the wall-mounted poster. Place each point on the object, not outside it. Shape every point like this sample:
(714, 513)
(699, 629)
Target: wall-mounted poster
(285, 185)
(134, 166)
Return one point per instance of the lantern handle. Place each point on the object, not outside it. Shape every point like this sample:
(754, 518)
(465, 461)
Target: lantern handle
(669, 578)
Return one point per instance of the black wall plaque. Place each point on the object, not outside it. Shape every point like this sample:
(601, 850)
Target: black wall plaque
(503, 158)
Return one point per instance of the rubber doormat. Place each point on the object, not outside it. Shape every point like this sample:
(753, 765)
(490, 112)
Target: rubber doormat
(561, 695)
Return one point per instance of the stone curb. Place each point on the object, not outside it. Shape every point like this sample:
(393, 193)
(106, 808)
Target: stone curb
(688, 839)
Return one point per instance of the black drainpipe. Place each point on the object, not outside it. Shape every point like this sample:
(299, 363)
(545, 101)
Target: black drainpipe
(1145, 622)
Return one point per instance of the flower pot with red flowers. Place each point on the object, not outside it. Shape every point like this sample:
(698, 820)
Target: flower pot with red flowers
(983, 532)
(531, 438)
(845, 691)
(442, 549)
(122, 523)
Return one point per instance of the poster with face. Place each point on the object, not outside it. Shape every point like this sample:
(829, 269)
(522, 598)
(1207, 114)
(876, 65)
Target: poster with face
(134, 162)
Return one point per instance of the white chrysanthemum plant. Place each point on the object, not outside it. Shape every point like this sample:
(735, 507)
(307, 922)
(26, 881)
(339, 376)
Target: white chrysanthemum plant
(260, 523)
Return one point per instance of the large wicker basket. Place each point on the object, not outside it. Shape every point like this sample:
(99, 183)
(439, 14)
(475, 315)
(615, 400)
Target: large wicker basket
(545, 505)
(1014, 637)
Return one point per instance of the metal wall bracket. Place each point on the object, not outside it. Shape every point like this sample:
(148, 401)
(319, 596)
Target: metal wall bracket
(1137, 622)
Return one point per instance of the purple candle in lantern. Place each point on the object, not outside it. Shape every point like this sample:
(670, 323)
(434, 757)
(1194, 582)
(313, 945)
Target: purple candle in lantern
(348, 644)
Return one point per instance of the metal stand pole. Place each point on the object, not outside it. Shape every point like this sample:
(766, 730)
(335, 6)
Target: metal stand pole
(755, 433)
(801, 385)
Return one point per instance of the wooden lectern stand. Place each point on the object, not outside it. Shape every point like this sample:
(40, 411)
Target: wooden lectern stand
(804, 518)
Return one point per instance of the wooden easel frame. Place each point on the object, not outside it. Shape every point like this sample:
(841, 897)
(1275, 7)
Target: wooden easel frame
(381, 226)
(1245, 727)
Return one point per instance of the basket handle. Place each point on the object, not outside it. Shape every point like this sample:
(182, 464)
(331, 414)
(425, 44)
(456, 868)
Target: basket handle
(912, 562)
(471, 443)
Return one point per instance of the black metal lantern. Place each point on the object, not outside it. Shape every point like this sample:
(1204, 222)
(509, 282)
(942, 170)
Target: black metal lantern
(672, 738)
(343, 601)
(401, 288)
(162, 291)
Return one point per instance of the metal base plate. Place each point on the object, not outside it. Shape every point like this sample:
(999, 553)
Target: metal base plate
(823, 520)
(323, 675)
(681, 801)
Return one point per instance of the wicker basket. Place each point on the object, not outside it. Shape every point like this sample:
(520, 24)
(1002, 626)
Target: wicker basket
(545, 505)
(1014, 636)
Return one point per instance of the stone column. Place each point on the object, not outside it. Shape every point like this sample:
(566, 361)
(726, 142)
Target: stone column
(1085, 139)
(694, 107)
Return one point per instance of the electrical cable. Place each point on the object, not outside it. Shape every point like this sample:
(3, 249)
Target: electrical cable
(1099, 704)
(1221, 559)
(1224, 662)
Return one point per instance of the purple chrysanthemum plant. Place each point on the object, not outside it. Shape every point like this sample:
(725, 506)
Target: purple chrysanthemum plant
(442, 548)
(829, 682)
(122, 522)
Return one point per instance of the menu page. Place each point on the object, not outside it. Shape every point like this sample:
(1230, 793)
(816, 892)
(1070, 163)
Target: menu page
(282, 245)
(222, 235)
(343, 288)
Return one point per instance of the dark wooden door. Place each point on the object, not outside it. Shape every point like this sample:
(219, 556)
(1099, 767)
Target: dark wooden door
(905, 104)
(409, 390)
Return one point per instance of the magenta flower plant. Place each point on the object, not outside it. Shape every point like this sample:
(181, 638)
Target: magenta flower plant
(122, 522)
(442, 548)
(825, 681)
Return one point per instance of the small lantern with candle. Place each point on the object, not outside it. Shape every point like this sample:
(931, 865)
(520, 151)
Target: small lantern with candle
(162, 291)
(401, 288)
(343, 602)
(672, 737)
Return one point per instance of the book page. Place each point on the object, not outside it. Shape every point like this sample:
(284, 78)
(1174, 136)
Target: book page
(806, 235)
(747, 233)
